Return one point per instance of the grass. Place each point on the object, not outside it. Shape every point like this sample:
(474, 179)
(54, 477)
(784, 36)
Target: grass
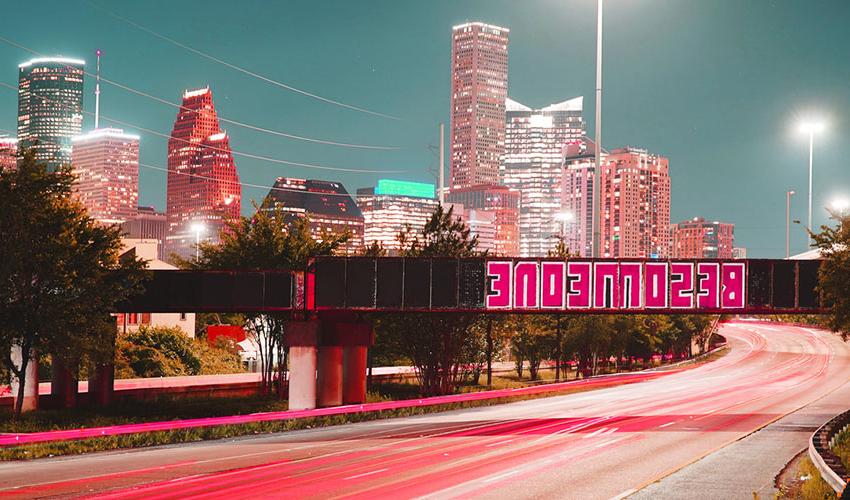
(808, 484)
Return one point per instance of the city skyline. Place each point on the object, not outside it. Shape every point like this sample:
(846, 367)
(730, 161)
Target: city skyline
(734, 150)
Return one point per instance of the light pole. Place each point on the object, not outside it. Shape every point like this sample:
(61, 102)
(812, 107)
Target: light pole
(788, 196)
(564, 217)
(198, 228)
(597, 171)
(811, 128)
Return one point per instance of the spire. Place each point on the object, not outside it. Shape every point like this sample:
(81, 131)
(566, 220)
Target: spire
(97, 94)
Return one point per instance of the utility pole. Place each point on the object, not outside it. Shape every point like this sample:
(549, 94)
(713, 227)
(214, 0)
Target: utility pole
(97, 94)
(788, 196)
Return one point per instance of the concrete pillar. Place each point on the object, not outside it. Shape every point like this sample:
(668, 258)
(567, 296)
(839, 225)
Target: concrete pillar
(302, 377)
(102, 385)
(63, 386)
(302, 338)
(330, 376)
(354, 374)
(30, 381)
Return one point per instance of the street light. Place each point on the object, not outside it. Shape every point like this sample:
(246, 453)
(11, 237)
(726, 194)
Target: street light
(811, 128)
(596, 212)
(198, 228)
(840, 206)
(564, 218)
(788, 196)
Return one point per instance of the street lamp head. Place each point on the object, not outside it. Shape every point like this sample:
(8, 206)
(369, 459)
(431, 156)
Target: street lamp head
(840, 204)
(198, 227)
(811, 127)
(791, 193)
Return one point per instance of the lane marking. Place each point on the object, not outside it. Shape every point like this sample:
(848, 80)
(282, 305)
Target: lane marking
(668, 424)
(594, 433)
(364, 474)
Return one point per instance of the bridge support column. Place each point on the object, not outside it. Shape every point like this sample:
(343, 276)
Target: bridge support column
(354, 374)
(352, 338)
(30, 398)
(330, 376)
(64, 386)
(102, 385)
(302, 338)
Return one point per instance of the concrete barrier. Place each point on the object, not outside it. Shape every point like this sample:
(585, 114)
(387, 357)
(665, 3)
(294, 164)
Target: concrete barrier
(820, 451)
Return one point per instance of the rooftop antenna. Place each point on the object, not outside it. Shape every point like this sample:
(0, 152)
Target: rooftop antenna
(97, 94)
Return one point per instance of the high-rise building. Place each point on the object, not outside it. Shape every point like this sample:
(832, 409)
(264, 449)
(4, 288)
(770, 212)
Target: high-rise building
(106, 163)
(635, 204)
(739, 253)
(327, 204)
(534, 144)
(50, 107)
(203, 185)
(482, 223)
(503, 202)
(147, 224)
(393, 206)
(577, 196)
(701, 239)
(479, 90)
(8, 152)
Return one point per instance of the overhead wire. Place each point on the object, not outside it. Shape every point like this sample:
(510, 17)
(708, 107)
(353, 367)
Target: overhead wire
(249, 126)
(240, 68)
(232, 151)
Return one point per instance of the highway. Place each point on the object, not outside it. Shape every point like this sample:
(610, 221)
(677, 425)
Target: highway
(598, 444)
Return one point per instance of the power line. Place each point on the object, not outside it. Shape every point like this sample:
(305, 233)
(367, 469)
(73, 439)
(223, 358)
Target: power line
(234, 152)
(221, 118)
(239, 68)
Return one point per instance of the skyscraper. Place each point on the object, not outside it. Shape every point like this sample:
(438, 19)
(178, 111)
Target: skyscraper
(106, 162)
(147, 224)
(534, 144)
(635, 204)
(50, 107)
(701, 239)
(391, 207)
(327, 204)
(8, 152)
(203, 186)
(577, 196)
(479, 90)
(503, 202)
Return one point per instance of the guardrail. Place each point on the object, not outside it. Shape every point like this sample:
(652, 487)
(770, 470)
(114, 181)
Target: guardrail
(820, 451)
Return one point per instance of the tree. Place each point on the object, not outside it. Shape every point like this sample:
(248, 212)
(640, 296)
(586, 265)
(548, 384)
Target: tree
(532, 341)
(60, 272)
(834, 273)
(438, 345)
(267, 240)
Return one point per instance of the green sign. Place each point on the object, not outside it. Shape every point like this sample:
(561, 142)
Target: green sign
(404, 188)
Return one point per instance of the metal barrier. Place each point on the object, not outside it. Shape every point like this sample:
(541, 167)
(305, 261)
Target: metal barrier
(820, 451)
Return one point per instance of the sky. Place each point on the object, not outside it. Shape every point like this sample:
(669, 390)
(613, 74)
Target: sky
(719, 87)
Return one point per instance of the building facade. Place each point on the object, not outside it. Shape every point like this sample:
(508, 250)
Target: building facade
(393, 206)
(479, 89)
(635, 204)
(701, 239)
(533, 163)
(203, 190)
(327, 204)
(106, 163)
(50, 107)
(577, 196)
(8, 152)
(147, 224)
(503, 202)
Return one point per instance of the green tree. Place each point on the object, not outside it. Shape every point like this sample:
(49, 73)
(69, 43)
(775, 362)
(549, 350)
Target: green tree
(60, 272)
(438, 345)
(267, 240)
(532, 341)
(834, 273)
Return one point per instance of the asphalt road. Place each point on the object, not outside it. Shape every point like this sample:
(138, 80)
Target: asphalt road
(598, 444)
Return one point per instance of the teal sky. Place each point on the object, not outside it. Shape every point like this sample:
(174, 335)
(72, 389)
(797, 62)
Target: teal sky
(718, 86)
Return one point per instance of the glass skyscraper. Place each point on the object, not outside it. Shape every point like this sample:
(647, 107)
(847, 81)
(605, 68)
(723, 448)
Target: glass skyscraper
(50, 107)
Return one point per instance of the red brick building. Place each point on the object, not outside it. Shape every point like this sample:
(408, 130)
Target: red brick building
(701, 239)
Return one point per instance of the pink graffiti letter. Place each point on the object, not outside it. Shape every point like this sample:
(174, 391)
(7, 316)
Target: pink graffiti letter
(732, 285)
(552, 281)
(578, 291)
(682, 285)
(708, 281)
(631, 285)
(499, 294)
(526, 288)
(605, 285)
(656, 285)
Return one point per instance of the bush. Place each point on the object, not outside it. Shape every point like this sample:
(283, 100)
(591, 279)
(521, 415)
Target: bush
(158, 351)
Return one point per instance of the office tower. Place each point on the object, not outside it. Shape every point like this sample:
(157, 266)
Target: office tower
(203, 185)
(577, 196)
(504, 203)
(479, 89)
(393, 206)
(147, 224)
(701, 239)
(635, 204)
(534, 144)
(8, 152)
(106, 163)
(50, 107)
(327, 204)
